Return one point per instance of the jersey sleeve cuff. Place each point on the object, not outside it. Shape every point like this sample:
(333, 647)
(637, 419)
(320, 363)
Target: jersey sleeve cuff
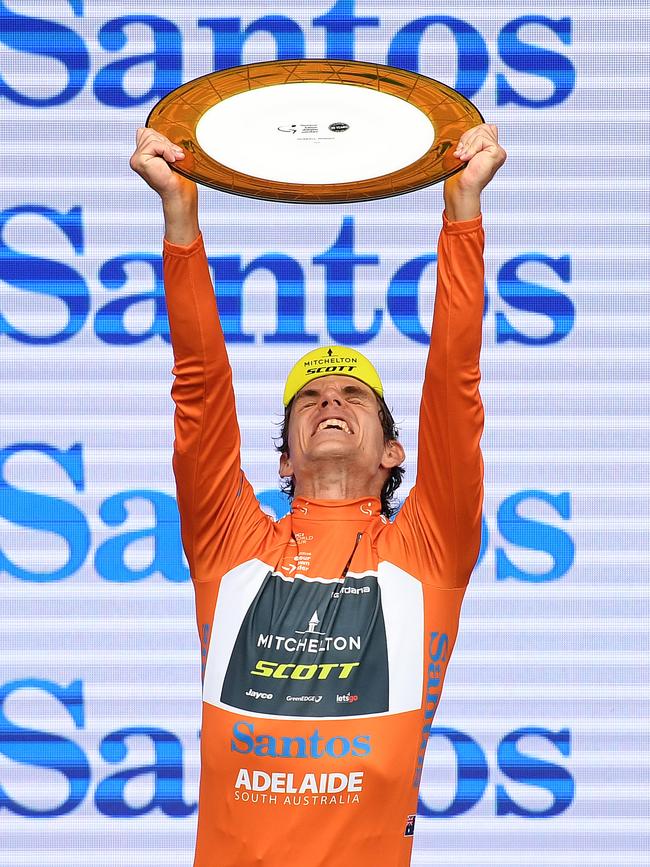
(460, 227)
(183, 250)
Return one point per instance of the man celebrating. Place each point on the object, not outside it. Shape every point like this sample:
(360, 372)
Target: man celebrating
(325, 636)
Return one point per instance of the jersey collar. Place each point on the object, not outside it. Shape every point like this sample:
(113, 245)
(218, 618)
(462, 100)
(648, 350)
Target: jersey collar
(363, 509)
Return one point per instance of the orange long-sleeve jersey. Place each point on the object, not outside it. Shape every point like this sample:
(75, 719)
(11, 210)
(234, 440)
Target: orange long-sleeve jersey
(325, 635)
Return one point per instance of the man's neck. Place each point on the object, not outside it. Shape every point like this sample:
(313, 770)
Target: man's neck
(338, 484)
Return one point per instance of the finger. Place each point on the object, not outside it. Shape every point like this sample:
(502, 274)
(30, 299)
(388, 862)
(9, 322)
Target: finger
(152, 144)
(467, 139)
(462, 141)
(469, 136)
(483, 129)
(469, 146)
(480, 139)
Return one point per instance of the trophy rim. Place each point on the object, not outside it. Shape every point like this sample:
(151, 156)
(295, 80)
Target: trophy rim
(177, 114)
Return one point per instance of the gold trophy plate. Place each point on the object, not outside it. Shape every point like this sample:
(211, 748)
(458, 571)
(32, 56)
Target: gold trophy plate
(315, 131)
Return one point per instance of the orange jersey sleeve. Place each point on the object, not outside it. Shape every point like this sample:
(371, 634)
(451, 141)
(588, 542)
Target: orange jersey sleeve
(443, 510)
(214, 498)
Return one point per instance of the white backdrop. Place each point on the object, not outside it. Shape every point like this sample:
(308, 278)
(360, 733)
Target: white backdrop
(539, 753)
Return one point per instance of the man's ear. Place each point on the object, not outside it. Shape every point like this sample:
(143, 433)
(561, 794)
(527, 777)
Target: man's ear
(394, 454)
(286, 467)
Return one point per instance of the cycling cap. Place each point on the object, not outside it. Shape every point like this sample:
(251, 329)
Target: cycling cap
(331, 361)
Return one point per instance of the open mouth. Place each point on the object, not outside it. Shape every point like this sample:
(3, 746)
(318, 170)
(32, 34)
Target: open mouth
(334, 424)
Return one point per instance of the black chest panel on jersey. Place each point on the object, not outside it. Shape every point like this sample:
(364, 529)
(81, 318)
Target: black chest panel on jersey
(311, 648)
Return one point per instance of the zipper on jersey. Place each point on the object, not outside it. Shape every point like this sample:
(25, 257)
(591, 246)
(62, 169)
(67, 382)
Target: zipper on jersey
(344, 574)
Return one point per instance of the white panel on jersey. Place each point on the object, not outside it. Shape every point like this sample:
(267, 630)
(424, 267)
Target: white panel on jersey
(237, 591)
(403, 607)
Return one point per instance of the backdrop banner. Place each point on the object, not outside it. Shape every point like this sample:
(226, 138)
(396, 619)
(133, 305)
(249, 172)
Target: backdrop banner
(539, 752)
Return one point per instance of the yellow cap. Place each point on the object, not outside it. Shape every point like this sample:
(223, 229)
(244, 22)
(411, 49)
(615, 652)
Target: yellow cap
(331, 361)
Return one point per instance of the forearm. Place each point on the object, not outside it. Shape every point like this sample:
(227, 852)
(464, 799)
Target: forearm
(180, 211)
(460, 203)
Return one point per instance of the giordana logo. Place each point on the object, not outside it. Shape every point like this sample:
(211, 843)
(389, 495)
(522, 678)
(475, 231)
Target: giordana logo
(246, 741)
(347, 698)
(339, 126)
(252, 693)
(351, 591)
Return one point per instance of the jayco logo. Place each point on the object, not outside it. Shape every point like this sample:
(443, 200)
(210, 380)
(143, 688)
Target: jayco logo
(535, 46)
(253, 693)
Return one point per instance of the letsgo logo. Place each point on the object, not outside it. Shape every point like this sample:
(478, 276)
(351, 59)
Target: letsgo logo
(528, 783)
(529, 51)
(247, 742)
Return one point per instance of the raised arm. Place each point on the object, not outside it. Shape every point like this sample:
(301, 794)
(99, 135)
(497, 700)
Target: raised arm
(214, 499)
(444, 507)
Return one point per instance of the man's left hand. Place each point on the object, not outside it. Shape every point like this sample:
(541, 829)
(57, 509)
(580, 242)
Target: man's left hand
(479, 148)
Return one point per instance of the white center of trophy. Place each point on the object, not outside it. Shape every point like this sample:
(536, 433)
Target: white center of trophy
(313, 133)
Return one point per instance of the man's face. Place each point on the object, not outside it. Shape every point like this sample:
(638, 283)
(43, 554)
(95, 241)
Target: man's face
(336, 419)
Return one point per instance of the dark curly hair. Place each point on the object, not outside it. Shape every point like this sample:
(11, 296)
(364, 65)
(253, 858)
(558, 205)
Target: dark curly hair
(392, 483)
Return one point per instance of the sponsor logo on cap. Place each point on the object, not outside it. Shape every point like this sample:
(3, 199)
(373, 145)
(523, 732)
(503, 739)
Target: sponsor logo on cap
(331, 359)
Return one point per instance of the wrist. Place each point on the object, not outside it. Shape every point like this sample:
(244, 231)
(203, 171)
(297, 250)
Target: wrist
(181, 217)
(461, 204)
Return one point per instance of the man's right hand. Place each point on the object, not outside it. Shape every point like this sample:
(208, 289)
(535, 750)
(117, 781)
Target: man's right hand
(151, 160)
